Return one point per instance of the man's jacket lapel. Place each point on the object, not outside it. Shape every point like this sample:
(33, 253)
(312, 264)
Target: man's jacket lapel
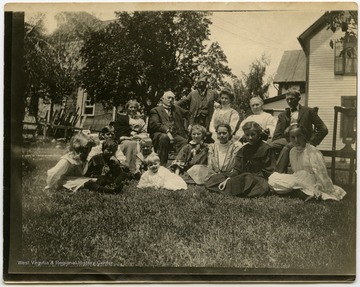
(301, 112)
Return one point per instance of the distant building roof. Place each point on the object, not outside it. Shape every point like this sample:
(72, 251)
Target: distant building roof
(274, 99)
(292, 67)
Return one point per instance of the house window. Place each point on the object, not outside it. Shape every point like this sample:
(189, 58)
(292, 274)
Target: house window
(348, 124)
(89, 107)
(346, 57)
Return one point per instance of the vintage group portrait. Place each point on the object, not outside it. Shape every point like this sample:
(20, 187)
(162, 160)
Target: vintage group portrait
(180, 142)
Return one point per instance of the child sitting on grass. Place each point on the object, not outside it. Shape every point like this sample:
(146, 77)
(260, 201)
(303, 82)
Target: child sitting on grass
(159, 177)
(309, 170)
(107, 168)
(192, 157)
(146, 149)
(69, 172)
(107, 133)
(254, 163)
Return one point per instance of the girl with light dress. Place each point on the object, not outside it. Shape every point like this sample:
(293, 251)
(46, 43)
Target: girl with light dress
(224, 114)
(129, 129)
(160, 177)
(146, 149)
(192, 157)
(221, 158)
(70, 171)
(310, 174)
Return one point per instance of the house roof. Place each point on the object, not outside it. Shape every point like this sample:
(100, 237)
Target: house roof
(292, 67)
(275, 99)
(318, 25)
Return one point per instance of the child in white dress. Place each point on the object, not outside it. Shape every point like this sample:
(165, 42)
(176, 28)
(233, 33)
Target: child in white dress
(159, 177)
(146, 149)
(310, 174)
(70, 171)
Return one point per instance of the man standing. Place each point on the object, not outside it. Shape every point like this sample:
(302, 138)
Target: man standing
(296, 114)
(167, 126)
(200, 103)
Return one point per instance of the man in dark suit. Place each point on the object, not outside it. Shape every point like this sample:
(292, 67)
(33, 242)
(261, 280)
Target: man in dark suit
(200, 103)
(296, 114)
(167, 126)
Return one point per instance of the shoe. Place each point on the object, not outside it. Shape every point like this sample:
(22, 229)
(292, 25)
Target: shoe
(137, 176)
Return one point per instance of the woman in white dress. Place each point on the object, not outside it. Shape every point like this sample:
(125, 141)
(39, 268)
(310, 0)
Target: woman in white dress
(224, 114)
(310, 174)
(265, 120)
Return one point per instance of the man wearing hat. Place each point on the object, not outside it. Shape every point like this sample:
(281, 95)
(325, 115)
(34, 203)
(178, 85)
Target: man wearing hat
(296, 114)
(167, 126)
(200, 103)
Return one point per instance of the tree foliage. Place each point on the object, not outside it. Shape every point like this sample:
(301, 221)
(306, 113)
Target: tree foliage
(251, 84)
(213, 64)
(144, 54)
(53, 61)
(347, 22)
(36, 54)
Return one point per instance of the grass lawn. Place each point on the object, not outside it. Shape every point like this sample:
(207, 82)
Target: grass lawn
(192, 228)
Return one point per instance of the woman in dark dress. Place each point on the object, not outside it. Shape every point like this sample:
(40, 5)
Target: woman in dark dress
(254, 163)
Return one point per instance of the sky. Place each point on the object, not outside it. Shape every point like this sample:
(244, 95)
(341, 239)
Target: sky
(243, 35)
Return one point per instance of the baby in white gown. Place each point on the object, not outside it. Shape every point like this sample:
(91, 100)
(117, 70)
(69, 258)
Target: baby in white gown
(160, 177)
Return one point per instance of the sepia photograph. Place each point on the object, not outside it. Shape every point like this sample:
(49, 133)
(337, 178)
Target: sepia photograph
(180, 142)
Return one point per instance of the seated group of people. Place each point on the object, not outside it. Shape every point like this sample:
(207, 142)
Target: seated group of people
(227, 165)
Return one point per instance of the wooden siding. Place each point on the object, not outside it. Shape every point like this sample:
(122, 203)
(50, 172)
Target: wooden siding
(100, 119)
(324, 88)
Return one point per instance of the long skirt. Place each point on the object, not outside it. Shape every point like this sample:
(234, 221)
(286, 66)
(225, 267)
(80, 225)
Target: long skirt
(247, 185)
(212, 183)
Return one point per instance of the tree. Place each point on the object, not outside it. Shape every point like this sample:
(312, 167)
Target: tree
(214, 65)
(347, 22)
(75, 26)
(37, 56)
(53, 61)
(251, 84)
(145, 53)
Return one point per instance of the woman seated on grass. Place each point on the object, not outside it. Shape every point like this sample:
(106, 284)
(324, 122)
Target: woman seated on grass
(160, 177)
(254, 163)
(308, 164)
(221, 157)
(191, 155)
(69, 172)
